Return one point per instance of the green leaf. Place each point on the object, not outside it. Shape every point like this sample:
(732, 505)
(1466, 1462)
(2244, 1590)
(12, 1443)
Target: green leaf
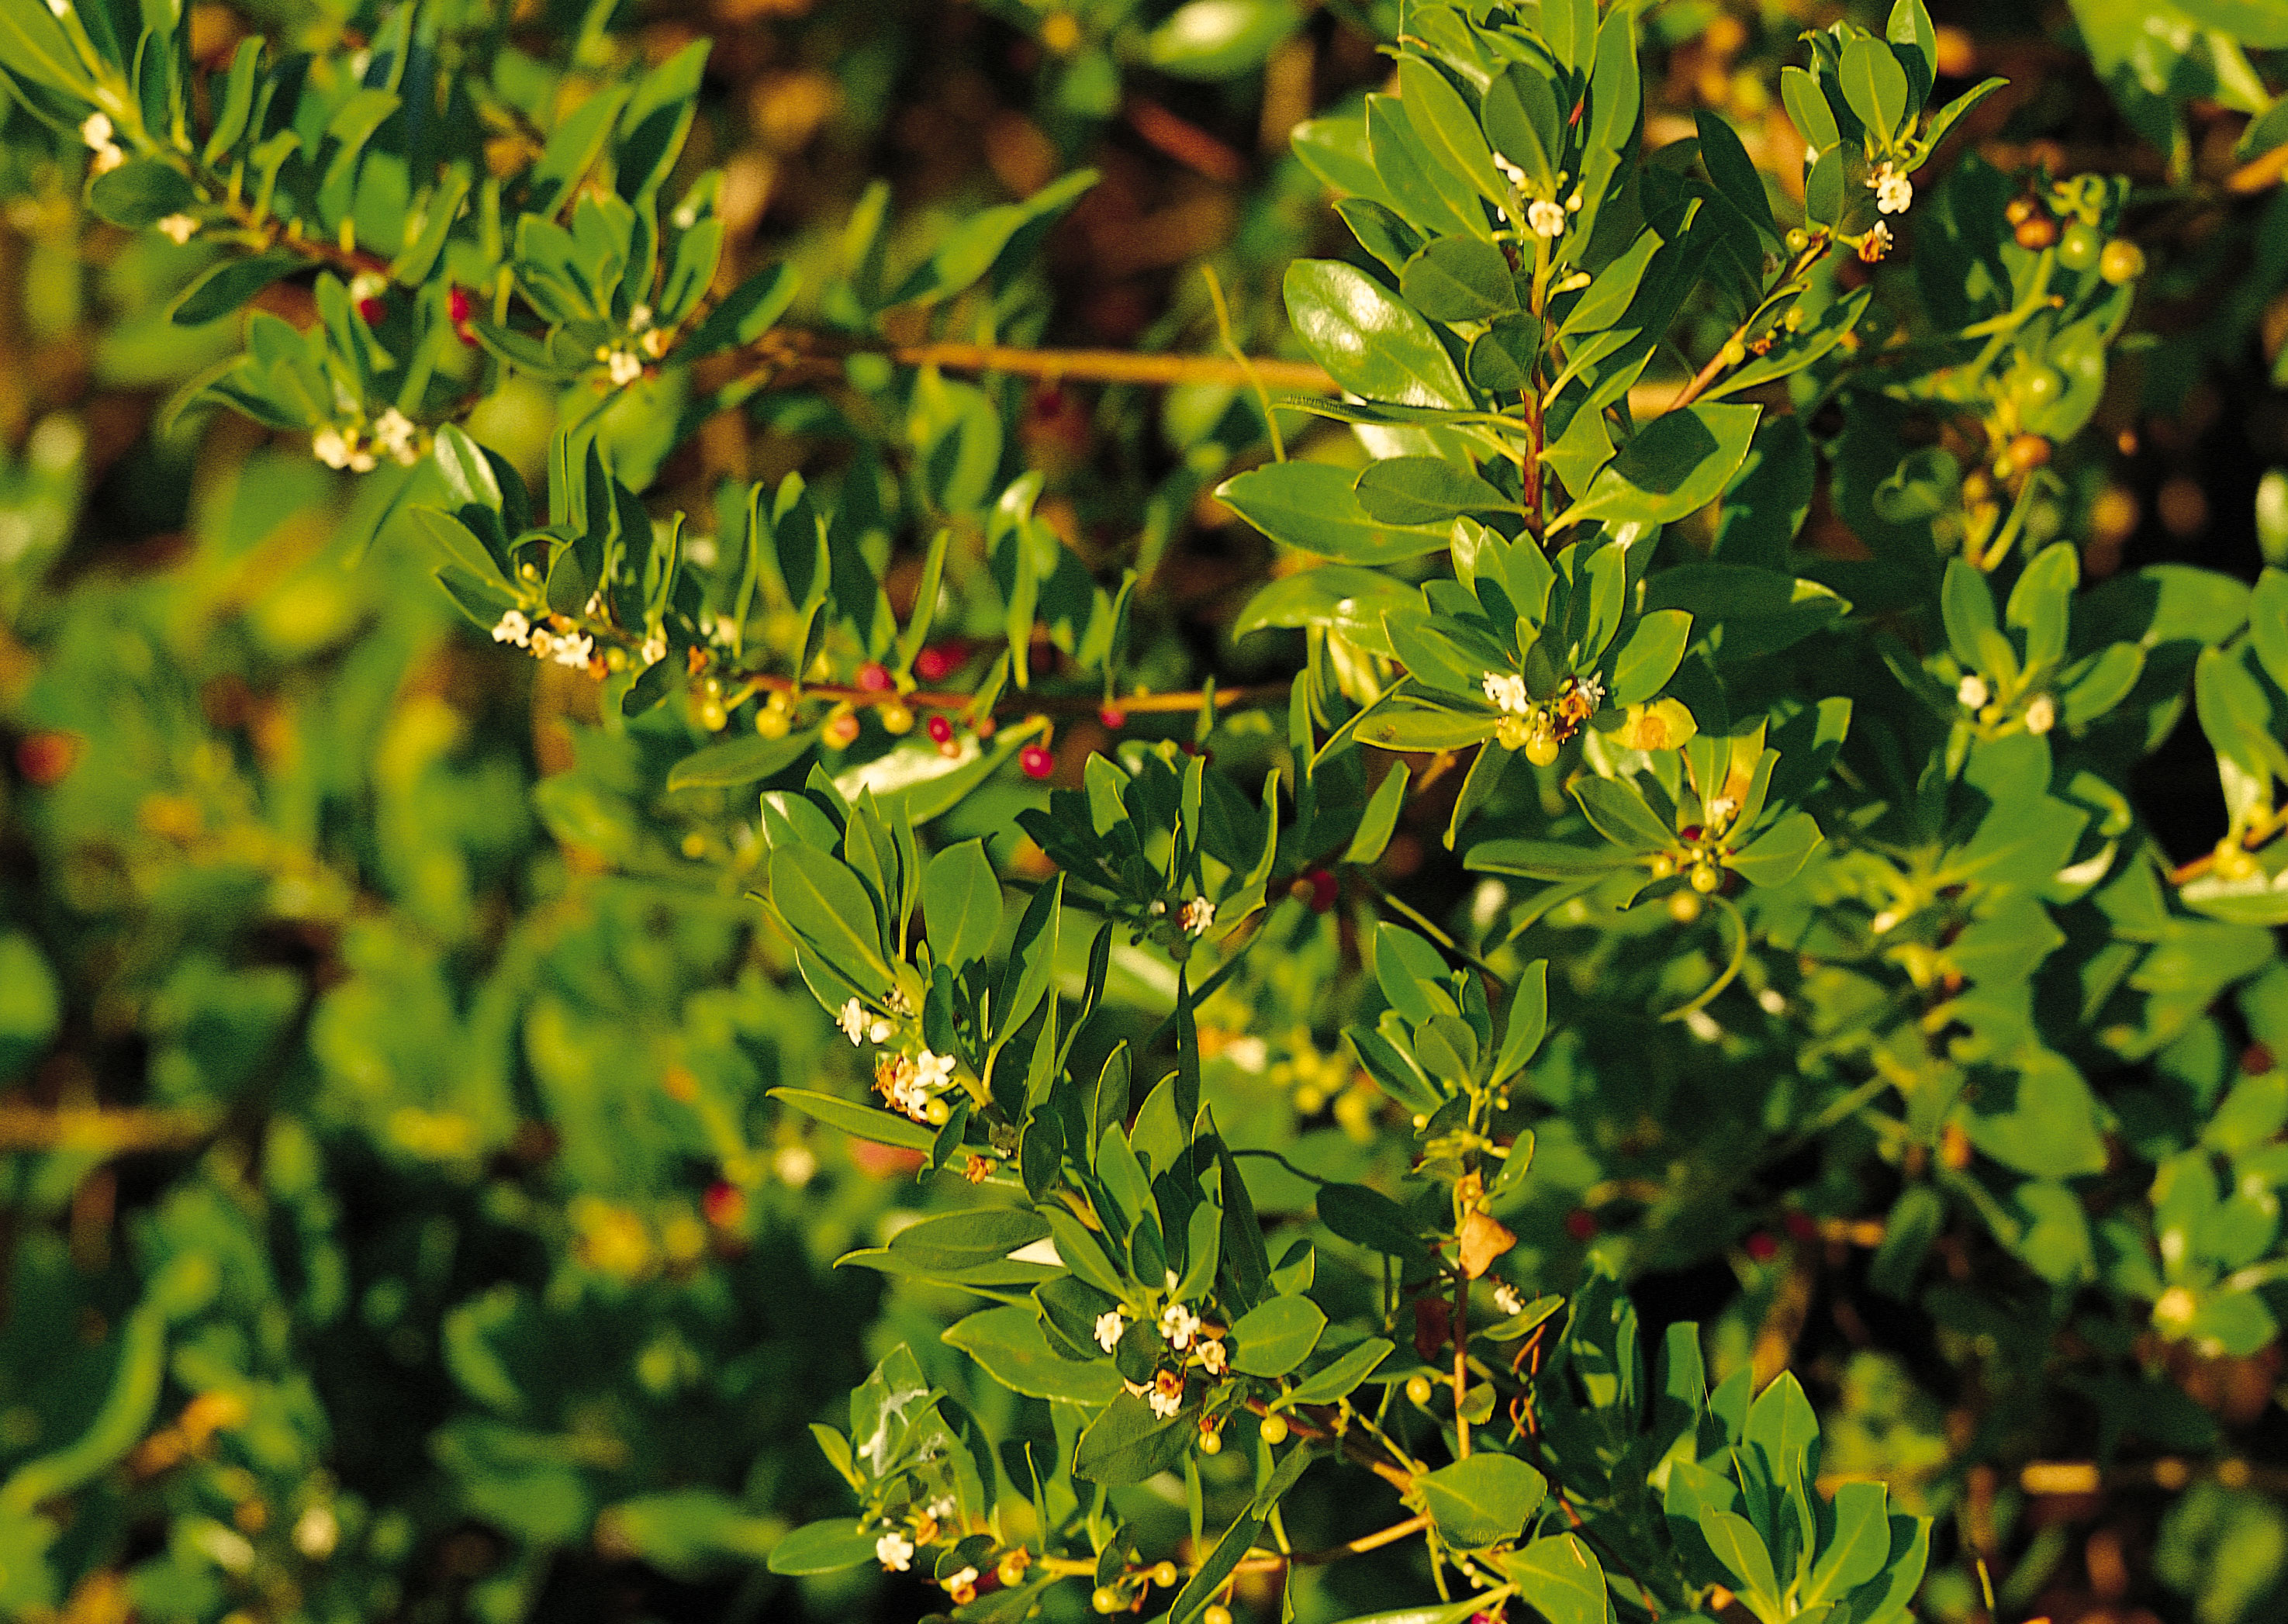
(1482, 1501)
(1413, 491)
(1528, 1020)
(225, 290)
(1807, 109)
(1313, 506)
(1645, 662)
(822, 1548)
(1743, 1552)
(1008, 1343)
(1371, 343)
(1675, 465)
(730, 763)
(961, 901)
(1857, 1549)
(1369, 1218)
(1779, 854)
(1875, 86)
(1379, 821)
(1735, 173)
(1341, 1377)
(957, 1242)
(1220, 39)
(1447, 128)
(822, 902)
(1458, 279)
(1783, 1424)
(1128, 1444)
(1273, 1338)
(1741, 612)
(860, 1121)
(141, 192)
(1616, 810)
(1563, 1579)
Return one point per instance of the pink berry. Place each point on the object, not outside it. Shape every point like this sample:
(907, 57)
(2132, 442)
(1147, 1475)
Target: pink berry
(1113, 716)
(1035, 761)
(873, 678)
(457, 307)
(1762, 1246)
(371, 312)
(724, 1204)
(938, 729)
(940, 660)
(1323, 890)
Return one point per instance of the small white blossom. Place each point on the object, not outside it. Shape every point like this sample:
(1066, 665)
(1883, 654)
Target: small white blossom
(1723, 810)
(1507, 693)
(178, 228)
(1178, 1326)
(1250, 1054)
(1199, 914)
(852, 1019)
(1213, 1357)
(394, 433)
(95, 131)
(107, 160)
(895, 1552)
(575, 650)
(1109, 1328)
(328, 446)
(1509, 1298)
(1876, 243)
(905, 1095)
(1166, 1404)
(1972, 692)
(653, 649)
(1510, 171)
(317, 1531)
(796, 1165)
(1590, 690)
(623, 365)
(940, 1508)
(654, 342)
(512, 628)
(1545, 219)
(368, 285)
(62, 8)
(1894, 192)
(959, 1580)
(540, 643)
(2042, 714)
(932, 1071)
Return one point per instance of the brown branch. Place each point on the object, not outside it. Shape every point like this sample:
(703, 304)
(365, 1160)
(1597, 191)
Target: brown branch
(1365, 1542)
(1113, 365)
(2170, 1474)
(112, 1133)
(2255, 836)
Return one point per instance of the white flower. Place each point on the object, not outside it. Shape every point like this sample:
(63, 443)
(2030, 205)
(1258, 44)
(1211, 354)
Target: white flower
(653, 649)
(1109, 1326)
(394, 433)
(540, 643)
(1723, 810)
(960, 1580)
(1876, 242)
(904, 1094)
(1250, 1054)
(1546, 218)
(1199, 914)
(1590, 690)
(1507, 692)
(1894, 192)
(512, 628)
(2042, 714)
(180, 227)
(62, 8)
(895, 1552)
(328, 446)
(940, 1508)
(368, 285)
(315, 1532)
(654, 342)
(795, 1165)
(107, 160)
(1510, 171)
(95, 131)
(625, 367)
(1178, 1326)
(1509, 1298)
(852, 1019)
(1213, 1357)
(933, 1071)
(1165, 1404)
(1972, 692)
(574, 649)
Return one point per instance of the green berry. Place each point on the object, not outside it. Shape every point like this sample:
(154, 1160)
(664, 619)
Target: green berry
(2079, 249)
(1418, 1389)
(2123, 261)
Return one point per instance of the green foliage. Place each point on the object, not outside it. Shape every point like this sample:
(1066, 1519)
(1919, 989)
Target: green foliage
(682, 929)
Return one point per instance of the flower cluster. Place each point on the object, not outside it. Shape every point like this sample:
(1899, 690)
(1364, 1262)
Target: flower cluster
(1199, 914)
(359, 447)
(97, 132)
(1538, 730)
(1875, 244)
(912, 1083)
(558, 639)
(859, 1023)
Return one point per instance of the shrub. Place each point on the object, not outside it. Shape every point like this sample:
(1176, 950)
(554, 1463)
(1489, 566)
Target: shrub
(708, 916)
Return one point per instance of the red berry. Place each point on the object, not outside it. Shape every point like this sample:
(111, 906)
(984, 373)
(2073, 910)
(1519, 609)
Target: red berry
(873, 678)
(44, 759)
(1690, 833)
(724, 1204)
(1802, 1226)
(940, 660)
(1581, 1224)
(1323, 890)
(371, 312)
(1113, 716)
(1761, 1247)
(938, 729)
(458, 307)
(1035, 761)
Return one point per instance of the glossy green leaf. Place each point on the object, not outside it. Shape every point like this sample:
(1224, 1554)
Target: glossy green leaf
(1273, 1338)
(1372, 344)
(1674, 465)
(1313, 506)
(1482, 1501)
